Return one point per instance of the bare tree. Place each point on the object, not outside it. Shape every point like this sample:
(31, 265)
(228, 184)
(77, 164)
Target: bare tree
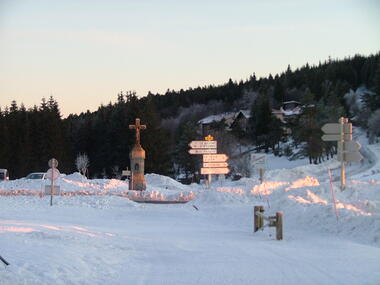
(82, 163)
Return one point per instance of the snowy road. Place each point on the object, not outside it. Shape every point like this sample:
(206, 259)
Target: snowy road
(108, 240)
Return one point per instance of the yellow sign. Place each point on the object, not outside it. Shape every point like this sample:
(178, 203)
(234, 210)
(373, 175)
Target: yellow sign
(209, 138)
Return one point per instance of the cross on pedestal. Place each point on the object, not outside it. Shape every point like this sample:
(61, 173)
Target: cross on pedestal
(137, 127)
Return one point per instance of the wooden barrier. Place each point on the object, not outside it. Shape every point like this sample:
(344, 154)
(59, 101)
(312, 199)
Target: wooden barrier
(274, 221)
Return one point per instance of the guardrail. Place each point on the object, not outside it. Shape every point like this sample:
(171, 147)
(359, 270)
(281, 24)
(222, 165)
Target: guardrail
(273, 221)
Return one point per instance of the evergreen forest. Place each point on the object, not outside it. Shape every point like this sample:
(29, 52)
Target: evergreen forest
(31, 136)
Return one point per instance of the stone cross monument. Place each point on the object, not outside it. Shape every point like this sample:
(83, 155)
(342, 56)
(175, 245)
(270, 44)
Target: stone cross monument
(137, 157)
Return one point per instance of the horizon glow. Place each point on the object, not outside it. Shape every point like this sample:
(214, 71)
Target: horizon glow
(84, 53)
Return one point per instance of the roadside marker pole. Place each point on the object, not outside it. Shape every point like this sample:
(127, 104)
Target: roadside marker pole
(342, 121)
(333, 194)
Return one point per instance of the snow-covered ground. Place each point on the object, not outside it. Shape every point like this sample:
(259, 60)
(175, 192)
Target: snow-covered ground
(102, 237)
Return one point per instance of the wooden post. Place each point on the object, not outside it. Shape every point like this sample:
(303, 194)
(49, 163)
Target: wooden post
(261, 171)
(258, 218)
(279, 220)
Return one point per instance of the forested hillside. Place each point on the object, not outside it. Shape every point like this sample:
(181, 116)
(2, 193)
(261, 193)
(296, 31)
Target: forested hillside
(31, 136)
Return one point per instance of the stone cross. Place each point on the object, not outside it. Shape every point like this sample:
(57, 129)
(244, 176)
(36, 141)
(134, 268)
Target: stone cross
(138, 127)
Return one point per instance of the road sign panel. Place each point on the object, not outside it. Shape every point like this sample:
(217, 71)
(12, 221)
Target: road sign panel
(53, 163)
(52, 174)
(214, 170)
(202, 151)
(351, 146)
(215, 164)
(203, 144)
(259, 166)
(336, 137)
(335, 128)
(258, 160)
(351, 157)
(56, 190)
(215, 158)
(209, 138)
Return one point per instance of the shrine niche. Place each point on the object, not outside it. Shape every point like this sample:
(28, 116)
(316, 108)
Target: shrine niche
(137, 157)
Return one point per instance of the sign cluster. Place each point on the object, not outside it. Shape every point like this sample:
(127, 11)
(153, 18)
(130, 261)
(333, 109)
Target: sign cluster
(259, 162)
(213, 163)
(348, 150)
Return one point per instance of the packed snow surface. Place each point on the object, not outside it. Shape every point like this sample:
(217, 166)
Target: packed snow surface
(101, 237)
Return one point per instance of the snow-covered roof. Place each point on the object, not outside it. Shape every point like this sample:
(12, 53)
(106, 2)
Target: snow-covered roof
(246, 113)
(229, 117)
(217, 118)
(290, 112)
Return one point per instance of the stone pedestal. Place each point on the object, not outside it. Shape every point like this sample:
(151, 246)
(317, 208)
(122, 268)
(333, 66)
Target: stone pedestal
(137, 157)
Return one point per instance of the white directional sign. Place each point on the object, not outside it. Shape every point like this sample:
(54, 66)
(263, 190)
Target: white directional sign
(351, 151)
(202, 151)
(258, 161)
(203, 144)
(351, 146)
(333, 128)
(351, 157)
(348, 150)
(214, 170)
(215, 158)
(336, 137)
(215, 164)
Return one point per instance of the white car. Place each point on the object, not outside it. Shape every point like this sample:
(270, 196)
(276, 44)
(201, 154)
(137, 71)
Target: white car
(36, 175)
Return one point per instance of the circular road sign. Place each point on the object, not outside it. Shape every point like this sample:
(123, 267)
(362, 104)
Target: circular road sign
(53, 163)
(52, 174)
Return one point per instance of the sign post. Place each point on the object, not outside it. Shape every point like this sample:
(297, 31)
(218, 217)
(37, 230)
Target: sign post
(52, 174)
(259, 163)
(348, 150)
(208, 146)
(213, 163)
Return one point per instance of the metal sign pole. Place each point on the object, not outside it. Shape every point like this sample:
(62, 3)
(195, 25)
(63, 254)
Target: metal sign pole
(341, 142)
(52, 184)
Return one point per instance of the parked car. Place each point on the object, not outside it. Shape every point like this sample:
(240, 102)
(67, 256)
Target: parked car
(36, 175)
(4, 174)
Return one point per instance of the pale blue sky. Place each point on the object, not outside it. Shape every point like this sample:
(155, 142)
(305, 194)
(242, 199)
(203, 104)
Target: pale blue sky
(84, 52)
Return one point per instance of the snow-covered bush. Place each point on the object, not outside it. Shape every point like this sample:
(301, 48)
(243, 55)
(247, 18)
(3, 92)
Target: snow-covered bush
(374, 126)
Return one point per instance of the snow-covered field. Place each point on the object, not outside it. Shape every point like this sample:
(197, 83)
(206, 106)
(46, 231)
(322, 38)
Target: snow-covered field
(102, 237)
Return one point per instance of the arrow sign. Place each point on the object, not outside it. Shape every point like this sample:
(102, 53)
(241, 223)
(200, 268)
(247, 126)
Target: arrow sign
(351, 146)
(215, 158)
(215, 164)
(214, 170)
(336, 137)
(203, 144)
(202, 151)
(351, 157)
(335, 128)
